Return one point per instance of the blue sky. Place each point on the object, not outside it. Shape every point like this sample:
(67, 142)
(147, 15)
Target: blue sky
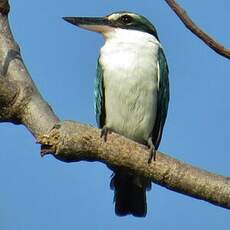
(43, 193)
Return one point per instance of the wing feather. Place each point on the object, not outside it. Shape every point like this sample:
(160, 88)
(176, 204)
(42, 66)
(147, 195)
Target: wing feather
(99, 97)
(162, 99)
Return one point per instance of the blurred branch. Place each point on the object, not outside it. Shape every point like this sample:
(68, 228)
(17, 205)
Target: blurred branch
(208, 40)
(4, 7)
(21, 103)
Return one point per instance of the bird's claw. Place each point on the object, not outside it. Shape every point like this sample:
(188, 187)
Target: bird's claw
(152, 151)
(104, 133)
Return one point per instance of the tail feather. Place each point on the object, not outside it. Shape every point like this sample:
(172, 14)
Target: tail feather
(138, 205)
(129, 196)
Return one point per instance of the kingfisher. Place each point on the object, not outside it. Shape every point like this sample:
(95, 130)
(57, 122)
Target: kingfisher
(131, 94)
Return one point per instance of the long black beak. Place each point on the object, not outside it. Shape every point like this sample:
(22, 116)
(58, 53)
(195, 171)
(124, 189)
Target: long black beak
(98, 24)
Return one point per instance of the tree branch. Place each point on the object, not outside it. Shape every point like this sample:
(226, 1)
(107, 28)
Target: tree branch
(208, 40)
(70, 142)
(21, 103)
(29, 108)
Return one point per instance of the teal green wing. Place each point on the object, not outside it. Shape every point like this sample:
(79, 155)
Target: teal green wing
(99, 97)
(162, 99)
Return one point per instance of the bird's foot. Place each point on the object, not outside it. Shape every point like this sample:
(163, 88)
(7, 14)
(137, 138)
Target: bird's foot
(104, 133)
(152, 151)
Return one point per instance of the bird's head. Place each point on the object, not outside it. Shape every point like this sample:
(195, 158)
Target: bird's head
(124, 20)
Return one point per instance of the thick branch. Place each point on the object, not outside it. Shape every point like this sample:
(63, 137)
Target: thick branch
(208, 40)
(28, 107)
(70, 141)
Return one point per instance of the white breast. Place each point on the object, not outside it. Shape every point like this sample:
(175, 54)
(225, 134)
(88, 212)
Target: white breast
(129, 61)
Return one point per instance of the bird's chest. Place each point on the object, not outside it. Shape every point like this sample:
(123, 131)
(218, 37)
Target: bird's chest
(130, 84)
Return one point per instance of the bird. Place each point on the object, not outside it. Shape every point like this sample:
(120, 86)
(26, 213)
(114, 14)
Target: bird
(131, 94)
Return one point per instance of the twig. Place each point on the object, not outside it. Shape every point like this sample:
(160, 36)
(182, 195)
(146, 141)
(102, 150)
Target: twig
(208, 40)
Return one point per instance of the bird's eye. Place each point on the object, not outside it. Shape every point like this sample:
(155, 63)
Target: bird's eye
(126, 19)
